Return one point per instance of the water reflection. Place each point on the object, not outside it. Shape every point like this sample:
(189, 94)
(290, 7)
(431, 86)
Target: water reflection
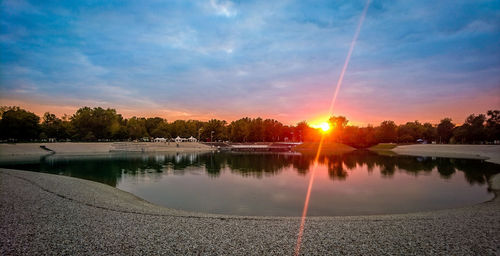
(360, 182)
(110, 168)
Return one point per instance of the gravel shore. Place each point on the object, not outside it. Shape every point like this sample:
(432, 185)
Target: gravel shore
(25, 151)
(51, 214)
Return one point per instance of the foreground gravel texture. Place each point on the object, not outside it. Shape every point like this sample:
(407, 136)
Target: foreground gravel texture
(50, 214)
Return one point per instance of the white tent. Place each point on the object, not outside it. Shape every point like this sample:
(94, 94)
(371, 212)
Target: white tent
(192, 139)
(178, 139)
(160, 140)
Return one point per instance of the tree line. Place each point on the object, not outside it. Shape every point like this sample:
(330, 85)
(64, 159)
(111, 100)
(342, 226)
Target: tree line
(99, 124)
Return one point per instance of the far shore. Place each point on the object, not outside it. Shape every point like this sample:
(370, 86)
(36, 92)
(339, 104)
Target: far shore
(34, 149)
(490, 153)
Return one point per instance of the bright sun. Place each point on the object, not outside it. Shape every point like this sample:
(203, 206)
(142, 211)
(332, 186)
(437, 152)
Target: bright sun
(324, 126)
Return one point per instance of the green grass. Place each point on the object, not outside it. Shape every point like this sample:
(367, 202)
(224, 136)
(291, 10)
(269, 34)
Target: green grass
(383, 146)
(328, 147)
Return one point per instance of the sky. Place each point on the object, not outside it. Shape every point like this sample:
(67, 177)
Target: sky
(413, 60)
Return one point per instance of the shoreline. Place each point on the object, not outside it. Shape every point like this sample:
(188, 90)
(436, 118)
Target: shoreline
(490, 153)
(8, 149)
(41, 210)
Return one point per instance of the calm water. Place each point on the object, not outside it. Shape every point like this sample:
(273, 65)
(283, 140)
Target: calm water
(356, 183)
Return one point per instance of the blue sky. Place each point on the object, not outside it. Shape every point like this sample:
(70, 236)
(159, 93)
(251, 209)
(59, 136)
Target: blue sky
(228, 59)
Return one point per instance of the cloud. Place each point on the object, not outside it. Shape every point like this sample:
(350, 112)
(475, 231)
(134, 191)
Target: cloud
(17, 6)
(232, 59)
(223, 8)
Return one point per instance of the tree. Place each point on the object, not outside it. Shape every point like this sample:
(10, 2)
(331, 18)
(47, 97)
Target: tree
(239, 130)
(387, 132)
(4, 109)
(153, 123)
(160, 131)
(493, 125)
(272, 130)
(178, 128)
(136, 128)
(337, 124)
(445, 130)
(460, 134)
(82, 122)
(476, 129)
(256, 130)
(286, 133)
(194, 128)
(429, 132)
(247, 129)
(54, 127)
(303, 132)
(19, 124)
(214, 130)
(408, 132)
(96, 123)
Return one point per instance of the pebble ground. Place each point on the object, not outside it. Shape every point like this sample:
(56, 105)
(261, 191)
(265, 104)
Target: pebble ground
(48, 214)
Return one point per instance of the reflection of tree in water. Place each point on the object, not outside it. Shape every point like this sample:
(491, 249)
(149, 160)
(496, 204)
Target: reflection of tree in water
(335, 165)
(445, 167)
(257, 165)
(476, 171)
(213, 164)
(336, 170)
(109, 169)
(302, 164)
(98, 170)
(247, 164)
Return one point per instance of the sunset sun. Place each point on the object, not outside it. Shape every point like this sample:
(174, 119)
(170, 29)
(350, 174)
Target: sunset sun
(325, 127)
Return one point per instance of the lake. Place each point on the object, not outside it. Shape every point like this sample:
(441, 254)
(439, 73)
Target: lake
(275, 184)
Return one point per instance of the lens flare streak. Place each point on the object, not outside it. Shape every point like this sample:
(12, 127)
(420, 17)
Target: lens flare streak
(308, 195)
(348, 58)
(334, 98)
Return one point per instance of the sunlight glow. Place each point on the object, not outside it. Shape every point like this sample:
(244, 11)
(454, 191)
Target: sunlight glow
(325, 127)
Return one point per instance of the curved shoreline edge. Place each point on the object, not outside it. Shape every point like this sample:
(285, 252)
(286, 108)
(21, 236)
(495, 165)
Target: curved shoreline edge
(39, 209)
(490, 153)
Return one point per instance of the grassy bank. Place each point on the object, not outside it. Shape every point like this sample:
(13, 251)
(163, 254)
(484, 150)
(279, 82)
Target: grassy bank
(327, 147)
(383, 146)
